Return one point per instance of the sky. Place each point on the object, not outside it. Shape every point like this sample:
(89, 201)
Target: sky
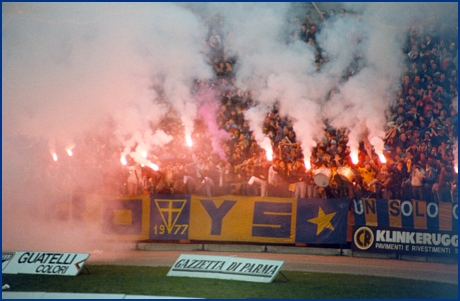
(71, 69)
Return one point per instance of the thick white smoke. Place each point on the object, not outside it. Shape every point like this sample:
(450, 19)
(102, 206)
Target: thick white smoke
(273, 70)
(381, 30)
(73, 69)
(286, 73)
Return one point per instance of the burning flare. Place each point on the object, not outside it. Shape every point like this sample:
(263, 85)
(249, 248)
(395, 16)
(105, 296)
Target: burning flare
(354, 158)
(69, 149)
(144, 154)
(123, 160)
(189, 141)
(382, 158)
(55, 157)
(269, 154)
(307, 164)
(154, 166)
(456, 168)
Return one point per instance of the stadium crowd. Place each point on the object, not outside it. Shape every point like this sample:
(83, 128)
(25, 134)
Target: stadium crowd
(420, 141)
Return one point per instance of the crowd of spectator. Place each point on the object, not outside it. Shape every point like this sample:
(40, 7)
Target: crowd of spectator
(420, 142)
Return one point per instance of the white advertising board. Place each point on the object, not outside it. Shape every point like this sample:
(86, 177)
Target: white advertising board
(45, 263)
(226, 267)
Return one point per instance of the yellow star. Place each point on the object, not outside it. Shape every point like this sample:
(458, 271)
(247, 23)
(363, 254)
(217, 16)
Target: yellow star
(322, 221)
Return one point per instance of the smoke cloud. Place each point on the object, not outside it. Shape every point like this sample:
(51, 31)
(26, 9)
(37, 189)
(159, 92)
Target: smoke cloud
(207, 112)
(76, 72)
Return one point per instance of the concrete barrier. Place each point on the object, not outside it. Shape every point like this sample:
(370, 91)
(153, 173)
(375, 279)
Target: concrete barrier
(233, 248)
(247, 248)
(169, 247)
(243, 248)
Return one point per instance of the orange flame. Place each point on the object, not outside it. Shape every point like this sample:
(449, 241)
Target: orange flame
(456, 168)
(382, 158)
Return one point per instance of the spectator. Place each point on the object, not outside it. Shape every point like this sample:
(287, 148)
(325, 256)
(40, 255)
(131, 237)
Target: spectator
(134, 179)
(300, 177)
(428, 181)
(442, 189)
(383, 180)
(399, 176)
(260, 174)
(367, 174)
(417, 176)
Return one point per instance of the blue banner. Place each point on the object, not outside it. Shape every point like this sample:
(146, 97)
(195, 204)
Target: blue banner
(406, 214)
(169, 217)
(127, 217)
(322, 221)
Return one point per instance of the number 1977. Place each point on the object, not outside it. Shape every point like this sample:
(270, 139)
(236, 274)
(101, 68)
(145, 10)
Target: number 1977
(162, 229)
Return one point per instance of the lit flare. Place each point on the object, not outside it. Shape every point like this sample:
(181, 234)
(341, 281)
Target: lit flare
(69, 149)
(123, 160)
(189, 141)
(382, 158)
(354, 158)
(269, 154)
(307, 164)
